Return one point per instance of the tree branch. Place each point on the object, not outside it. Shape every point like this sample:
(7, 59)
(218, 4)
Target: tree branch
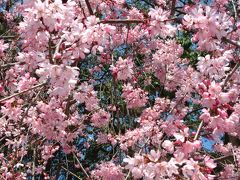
(57, 49)
(193, 111)
(34, 165)
(50, 50)
(228, 77)
(230, 74)
(122, 21)
(89, 7)
(80, 164)
(70, 172)
(22, 92)
(222, 157)
(130, 21)
(234, 9)
(224, 39)
(150, 4)
(8, 65)
(198, 131)
(173, 7)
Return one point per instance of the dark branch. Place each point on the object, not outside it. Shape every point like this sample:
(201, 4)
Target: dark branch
(89, 7)
(173, 7)
(122, 21)
(224, 39)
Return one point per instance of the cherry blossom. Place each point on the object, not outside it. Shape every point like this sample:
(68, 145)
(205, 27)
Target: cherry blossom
(134, 97)
(3, 47)
(123, 69)
(111, 89)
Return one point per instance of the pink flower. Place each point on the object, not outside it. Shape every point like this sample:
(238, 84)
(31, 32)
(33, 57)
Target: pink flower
(188, 21)
(123, 69)
(210, 24)
(182, 135)
(26, 82)
(102, 138)
(107, 171)
(229, 172)
(190, 147)
(1, 88)
(205, 116)
(62, 78)
(88, 96)
(135, 165)
(209, 162)
(100, 118)
(168, 145)
(3, 47)
(158, 23)
(134, 13)
(134, 98)
(154, 155)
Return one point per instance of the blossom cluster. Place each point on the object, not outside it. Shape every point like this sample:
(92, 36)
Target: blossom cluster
(115, 89)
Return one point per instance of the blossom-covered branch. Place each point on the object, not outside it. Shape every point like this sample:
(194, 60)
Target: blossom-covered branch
(22, 92)
(115, 89)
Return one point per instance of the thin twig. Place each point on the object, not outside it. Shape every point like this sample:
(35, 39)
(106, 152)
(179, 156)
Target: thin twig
(231, 42)
(150, 4)
(50, 50)
(70, 172)
(222, 157)
(122, 21)
(80, 5)
(33, 168)
(80, 164)
(128, 174)
(67, 166)
(177, 103)
(130, 21)
(127, 34)
(8, 65)
(57, 48)
(22, 92)
(234, 9)
(228, 77)
(193, 111)
(198, 131)
(8, 37)
(30, 104)
(89, 7)
(173, 7)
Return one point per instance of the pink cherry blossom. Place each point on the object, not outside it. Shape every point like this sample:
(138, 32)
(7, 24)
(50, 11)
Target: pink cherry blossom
(134, 97)
(100, 118)
(168, 145)
(3, 47)
(107, 89)
(123, 69)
